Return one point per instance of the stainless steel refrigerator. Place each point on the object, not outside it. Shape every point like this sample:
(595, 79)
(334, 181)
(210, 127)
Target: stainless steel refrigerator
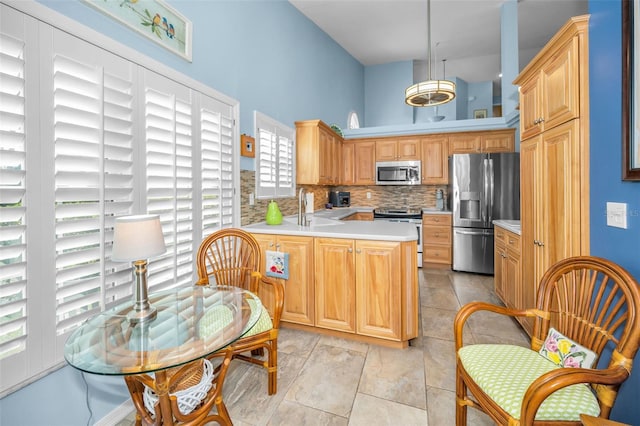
(482, 188)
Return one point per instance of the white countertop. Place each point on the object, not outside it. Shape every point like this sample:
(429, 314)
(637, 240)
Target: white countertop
(433, 210)
(327, 223)
(509, 225)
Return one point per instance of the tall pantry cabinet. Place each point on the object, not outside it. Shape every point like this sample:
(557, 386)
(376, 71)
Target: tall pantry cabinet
(554, 155)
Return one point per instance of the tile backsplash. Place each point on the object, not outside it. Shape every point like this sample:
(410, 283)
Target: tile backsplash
(418, 196)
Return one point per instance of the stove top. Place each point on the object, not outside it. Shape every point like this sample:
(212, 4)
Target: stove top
(397, 212)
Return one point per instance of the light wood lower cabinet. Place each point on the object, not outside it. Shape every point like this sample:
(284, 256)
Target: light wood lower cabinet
(361, 288)
(507, 281)
(335, 284)
(298, 289)
(358, 286)
(436, 239)
(359, 216)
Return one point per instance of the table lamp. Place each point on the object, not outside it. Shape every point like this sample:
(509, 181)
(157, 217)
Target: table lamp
(137, 238)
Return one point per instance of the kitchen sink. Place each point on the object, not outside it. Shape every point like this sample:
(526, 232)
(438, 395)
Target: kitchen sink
(315, 221)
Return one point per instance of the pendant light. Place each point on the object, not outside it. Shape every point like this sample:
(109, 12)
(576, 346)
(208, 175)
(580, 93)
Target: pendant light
(430, 92)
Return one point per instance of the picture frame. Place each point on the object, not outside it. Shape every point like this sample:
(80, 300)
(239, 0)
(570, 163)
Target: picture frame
(154, 19)
(247, 146)
(630, 91)
(479, 113)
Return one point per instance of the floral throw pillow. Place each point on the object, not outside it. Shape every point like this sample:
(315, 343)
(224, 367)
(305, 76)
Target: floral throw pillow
(565, 352)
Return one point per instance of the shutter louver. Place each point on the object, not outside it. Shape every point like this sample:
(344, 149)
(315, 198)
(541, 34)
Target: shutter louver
(93, 132)
(275, 176)
(169, 152)
(13, 249)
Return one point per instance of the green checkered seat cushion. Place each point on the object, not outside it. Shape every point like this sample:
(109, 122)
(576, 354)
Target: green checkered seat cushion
(263, 324)
(218, 317)
(504, 372)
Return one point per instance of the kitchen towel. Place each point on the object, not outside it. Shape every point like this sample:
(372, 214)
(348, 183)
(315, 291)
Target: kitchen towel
(277, 264)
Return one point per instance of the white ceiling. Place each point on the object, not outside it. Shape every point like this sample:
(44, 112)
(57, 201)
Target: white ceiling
(463, 32)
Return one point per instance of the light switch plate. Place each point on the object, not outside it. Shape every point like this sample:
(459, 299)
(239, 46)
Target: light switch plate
(617, 215)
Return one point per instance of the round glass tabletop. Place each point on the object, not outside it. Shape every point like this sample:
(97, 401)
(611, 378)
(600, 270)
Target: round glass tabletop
(191, 322)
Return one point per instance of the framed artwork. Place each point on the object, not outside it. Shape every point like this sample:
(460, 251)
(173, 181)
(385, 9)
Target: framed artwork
(630, 91)
(479, 113)
(247, 146)
(153, 19)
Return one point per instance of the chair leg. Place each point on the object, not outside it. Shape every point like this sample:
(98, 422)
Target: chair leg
(461, 395)
(273, 367)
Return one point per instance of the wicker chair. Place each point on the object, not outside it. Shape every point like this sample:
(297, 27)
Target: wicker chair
(591, 301)
(193, 392)
(232, 257)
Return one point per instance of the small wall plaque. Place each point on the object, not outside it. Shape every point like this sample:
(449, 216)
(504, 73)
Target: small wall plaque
(247, 146)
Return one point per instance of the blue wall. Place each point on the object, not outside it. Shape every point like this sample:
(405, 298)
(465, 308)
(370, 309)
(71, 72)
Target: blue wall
(263, 53)
(619, 245)
(384, 94)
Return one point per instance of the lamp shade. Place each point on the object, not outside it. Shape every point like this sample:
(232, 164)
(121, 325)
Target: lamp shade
(137, 237)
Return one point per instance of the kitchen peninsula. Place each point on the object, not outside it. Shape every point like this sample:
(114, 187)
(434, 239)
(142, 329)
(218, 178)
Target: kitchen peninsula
(347, 278)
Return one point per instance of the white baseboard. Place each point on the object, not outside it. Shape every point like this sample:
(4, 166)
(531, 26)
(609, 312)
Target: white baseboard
(117, 415)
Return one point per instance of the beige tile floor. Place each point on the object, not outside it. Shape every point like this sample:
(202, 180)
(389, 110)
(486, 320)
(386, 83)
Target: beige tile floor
(330, 381)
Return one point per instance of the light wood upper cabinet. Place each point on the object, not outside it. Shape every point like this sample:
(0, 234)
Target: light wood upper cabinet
(299, 288)
(435, 163)
(398, 149)
(318, 154)
(482, 141)
(359, 159)
(550, 95)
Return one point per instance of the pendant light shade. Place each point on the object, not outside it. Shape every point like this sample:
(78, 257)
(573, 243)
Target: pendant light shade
(430, 92)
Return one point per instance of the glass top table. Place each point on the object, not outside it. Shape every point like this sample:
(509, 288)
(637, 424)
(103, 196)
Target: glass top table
(191, 323)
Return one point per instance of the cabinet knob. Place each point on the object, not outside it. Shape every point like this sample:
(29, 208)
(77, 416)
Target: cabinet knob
(349, 250)
(536, 242)
(358, 251)
(277, 246)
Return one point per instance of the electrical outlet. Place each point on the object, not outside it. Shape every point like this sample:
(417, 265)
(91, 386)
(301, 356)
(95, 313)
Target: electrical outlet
(252, 199)
(617, 215)
(368, 195)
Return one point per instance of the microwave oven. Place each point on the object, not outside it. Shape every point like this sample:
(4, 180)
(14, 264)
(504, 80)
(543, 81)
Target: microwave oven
(398, 173)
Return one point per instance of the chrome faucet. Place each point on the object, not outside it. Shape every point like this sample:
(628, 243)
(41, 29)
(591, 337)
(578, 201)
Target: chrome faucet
(302, 217)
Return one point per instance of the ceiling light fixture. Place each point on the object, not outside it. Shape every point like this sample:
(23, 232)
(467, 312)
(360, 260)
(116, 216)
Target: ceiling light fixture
(430, 92)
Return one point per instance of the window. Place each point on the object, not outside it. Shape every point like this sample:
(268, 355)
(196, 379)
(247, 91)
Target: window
(352, 120)
(87, 135)
(275, 158)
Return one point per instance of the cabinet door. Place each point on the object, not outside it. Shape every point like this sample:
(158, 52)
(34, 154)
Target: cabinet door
(326, 159)
(335, 284)
(386, 150)
(365, 163)
(378, 293)
(502, 141)
(530, 108)
(348, 176)
(435, 164)
(265, 293)
(299, 288)
(530, 187)
(464, 143)
(561, 101)
(408, 149)
(499, 265)
(560, 234)
(511, 280)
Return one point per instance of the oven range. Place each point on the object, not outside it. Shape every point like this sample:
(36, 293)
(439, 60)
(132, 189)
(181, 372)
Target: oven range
(403, 215)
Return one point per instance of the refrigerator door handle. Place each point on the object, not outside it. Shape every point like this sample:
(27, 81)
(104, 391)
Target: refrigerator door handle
(475, 232)
(491, 191)
(485, 193)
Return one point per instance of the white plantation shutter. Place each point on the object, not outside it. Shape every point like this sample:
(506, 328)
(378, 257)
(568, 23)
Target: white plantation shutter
(169, 166)
(13, 249)
(93, 147)
(87, 135)
(275, 158)
(216, 136)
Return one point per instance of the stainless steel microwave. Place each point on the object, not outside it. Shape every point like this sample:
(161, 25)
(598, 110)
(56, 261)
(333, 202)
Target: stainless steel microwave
(398, 173)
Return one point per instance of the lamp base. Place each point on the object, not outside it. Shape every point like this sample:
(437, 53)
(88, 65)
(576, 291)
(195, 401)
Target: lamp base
(148, 314)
